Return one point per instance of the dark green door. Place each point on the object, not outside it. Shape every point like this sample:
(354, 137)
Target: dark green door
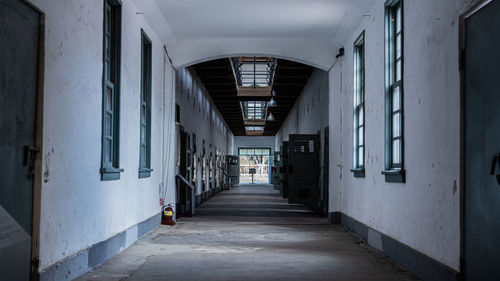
(326, 165)
(19, 29)
(303, 174)
(276, 173)
(482, 144)
(284, 172)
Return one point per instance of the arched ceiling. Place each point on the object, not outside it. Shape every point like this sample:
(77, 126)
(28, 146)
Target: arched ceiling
(307, 31)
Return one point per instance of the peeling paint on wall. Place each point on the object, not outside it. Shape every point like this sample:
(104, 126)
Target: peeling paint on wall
(421, 213)
(46, 161)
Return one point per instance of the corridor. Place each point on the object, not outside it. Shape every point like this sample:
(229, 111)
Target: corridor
(250, 233)
(368, 130)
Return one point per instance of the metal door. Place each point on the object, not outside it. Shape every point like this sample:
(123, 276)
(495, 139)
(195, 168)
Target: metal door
(276, 173)
(19, 40)
(194, 164)
(303, 172)
(183, 153)
(203, 171)
(233, 169)
(326, 164)
(482, 144)
(284, 172)
(210, 165)
(203, 174)
(189, 164)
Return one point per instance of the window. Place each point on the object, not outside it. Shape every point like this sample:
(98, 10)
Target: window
(255, 128)
(111, 91)
(145, 122)
(254, 71)
(394, 169)
(254, 110)
(359, 108)
(177, 113)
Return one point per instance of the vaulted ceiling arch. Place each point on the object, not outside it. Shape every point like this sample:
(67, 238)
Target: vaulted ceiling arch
(310, 32)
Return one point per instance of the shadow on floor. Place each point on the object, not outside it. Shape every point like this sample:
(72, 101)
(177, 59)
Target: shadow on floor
(250, 233)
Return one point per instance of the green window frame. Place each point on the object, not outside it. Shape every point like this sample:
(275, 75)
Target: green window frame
(359, 107)
(110, 160)
(394, 113)
(145, 107)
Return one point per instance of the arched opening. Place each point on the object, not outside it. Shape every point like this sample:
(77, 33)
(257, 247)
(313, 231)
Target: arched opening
(262, 101)
(198, 58)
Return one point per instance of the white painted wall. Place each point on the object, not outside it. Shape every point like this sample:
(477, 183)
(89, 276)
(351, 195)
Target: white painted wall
(79, 210)
(310, 112)
(422, 213)
(309, 115)
(199, 115)
(306, 31)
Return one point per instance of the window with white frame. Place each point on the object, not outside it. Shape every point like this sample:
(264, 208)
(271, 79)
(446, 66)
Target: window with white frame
(359, 107)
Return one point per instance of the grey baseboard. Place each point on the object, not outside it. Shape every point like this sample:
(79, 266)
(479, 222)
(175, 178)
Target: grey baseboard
(334, 217)
(422, 265)
(82, 262)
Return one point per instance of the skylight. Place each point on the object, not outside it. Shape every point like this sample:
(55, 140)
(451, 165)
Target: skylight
(254, 110)
(254, 128)
(254, 71)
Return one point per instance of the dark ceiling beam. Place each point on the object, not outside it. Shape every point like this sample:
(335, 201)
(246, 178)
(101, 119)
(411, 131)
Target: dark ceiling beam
(291, 84)
(218, 84)
(293, 72)
(239, 99)
(296, 79)
(218, 79)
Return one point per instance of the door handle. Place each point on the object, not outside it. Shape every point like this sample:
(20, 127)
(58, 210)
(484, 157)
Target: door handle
(29, 154)
(494, 162)
(29, 159)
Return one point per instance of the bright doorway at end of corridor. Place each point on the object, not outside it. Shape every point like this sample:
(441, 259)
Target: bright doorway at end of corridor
(256, 160)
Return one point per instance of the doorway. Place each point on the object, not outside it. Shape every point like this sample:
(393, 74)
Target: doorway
(19, 66)
(254, 165)
(326, 168)
(304, 171)
(481, 146)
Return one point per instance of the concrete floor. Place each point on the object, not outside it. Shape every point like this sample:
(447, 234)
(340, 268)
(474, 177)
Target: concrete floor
(250, 233)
